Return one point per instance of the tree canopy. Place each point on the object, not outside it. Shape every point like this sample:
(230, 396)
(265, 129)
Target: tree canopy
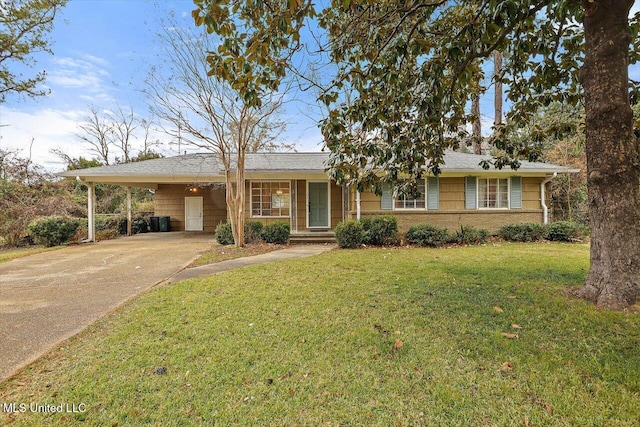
(411, 69)
(24, 26)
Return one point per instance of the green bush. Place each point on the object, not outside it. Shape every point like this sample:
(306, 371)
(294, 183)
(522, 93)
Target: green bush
(224, 233)
(252, 231)
(565, 231)
(530, 232)
(111, 222)
(276, 232)
(350, 234)
(469, 235)
(427, 235)
(53, 230)
(380, 230)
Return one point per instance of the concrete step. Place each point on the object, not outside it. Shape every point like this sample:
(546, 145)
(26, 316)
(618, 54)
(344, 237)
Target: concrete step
(313, 237)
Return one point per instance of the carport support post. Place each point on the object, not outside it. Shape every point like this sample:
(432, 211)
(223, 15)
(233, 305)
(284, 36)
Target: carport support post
(91, 212)
(129, 216)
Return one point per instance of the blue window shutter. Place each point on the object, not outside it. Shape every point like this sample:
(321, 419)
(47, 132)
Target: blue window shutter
(433, 193)
(386, 201)
(470, 188)
(516, 192)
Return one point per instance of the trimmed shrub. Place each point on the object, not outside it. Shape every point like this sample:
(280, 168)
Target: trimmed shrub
(350, 234)
(252, 231)
(565, 231)
(276, 232)
(224, 233)
(469, 235)
(380, 230)
(427, 235)
(530, 232)
(53, 230)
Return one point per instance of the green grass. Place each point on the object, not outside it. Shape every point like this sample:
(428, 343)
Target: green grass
(363, 337)
(9, 254)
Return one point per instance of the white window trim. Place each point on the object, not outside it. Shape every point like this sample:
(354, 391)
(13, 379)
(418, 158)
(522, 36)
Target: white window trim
(414, 209)
(508, 179)
(251, 198)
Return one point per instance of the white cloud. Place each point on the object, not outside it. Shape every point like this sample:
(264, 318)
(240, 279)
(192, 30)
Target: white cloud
(85, 73)
(47, 128)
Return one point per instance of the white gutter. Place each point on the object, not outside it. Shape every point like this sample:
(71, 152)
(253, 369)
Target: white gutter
(545, 209)
(91, 210)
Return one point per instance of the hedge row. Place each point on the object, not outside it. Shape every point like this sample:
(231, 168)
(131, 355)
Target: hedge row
(254, 231)
(383, 231)
(561, 231)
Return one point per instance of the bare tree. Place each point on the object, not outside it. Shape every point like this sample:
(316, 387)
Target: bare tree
(96, 131)
(123, 123)
(147, 142)
(207, 113)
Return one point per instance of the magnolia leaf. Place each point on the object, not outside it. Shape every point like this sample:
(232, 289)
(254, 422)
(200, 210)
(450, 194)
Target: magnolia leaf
(516, 326)
(510, 336)
(498, 309)
(398, 344)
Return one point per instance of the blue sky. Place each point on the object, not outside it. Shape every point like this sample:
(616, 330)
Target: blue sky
(102, 53)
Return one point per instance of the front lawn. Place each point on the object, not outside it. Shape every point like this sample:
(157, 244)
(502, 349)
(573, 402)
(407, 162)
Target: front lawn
(219, 253)
(467, 336)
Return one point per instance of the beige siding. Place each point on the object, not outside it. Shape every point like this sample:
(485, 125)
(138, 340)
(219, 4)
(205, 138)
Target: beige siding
(302, 204)
(169, 201)
(451, 194)
(336, 204)
(452, 213)
(531, 193)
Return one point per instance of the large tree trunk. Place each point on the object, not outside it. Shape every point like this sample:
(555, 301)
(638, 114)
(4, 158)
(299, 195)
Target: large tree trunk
(613, 174)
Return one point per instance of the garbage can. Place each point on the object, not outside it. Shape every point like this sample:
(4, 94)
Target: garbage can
(155, 223)
(163, 222)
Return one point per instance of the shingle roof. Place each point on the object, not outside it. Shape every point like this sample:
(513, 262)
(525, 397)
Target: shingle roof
(202, 166)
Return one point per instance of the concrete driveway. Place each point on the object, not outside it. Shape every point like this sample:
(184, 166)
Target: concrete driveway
(48, 297)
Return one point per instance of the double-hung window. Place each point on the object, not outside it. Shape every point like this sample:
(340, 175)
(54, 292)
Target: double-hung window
(408, 202)
(270, 198)
(493, 193)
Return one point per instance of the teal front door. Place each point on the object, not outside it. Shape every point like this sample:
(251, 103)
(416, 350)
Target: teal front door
(318, 212)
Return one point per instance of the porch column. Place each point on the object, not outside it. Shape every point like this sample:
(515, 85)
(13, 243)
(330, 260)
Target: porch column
(91, 212)
(357, 204)
(129, 216)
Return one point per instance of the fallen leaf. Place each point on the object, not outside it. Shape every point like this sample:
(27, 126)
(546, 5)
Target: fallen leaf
(511, 297)
(507, 365)
(510, 336)
(526, 421)
(398, 344)
(292, 392)
(516, 326)
(498, 309)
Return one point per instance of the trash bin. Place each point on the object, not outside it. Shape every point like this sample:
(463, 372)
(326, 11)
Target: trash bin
(163, 222)
(155, 223)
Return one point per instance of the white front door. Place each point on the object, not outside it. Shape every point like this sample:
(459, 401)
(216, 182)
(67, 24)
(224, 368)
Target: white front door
(193, 213)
